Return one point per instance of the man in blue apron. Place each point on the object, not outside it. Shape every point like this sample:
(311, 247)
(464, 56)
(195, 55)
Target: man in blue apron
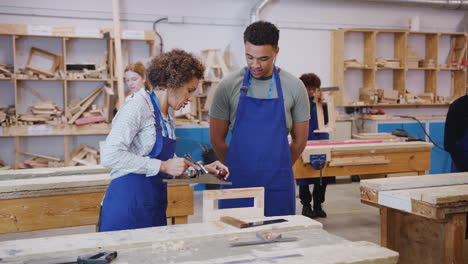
(260, 104)
(456, 134)
(312, 83)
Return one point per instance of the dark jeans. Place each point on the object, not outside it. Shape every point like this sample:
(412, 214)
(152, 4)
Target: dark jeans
(318, 194)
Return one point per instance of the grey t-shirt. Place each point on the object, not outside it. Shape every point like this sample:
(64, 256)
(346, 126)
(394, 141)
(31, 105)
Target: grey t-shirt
(226, 97)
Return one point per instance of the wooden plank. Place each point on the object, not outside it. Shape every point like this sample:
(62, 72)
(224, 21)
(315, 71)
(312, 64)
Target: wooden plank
(19, 215)
(118, 53)
(354, 161)
(399, 162)
(416, 182)
(84, 107)
(455, 243)
(40, 156)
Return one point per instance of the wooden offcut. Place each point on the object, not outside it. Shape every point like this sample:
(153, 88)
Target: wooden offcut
(41, 56)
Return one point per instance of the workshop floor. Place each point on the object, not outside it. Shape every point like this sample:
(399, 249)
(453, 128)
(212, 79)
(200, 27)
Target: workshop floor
(347, 217)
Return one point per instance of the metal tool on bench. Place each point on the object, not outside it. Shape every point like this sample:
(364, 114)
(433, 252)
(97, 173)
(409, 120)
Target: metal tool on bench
(241, 224)
(318, 162)
(264, 238)
(99, 258)
(201, 176)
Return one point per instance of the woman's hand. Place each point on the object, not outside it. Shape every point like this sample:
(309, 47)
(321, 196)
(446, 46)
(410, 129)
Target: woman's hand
(174, 167)
(219, 169)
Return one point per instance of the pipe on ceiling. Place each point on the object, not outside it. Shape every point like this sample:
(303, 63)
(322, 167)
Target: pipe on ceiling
(256, 9)
(445, 4)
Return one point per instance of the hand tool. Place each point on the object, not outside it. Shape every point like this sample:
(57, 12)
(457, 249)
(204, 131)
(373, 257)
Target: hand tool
(241, 224)
(202, 175)
(262, 259)
(98, 258)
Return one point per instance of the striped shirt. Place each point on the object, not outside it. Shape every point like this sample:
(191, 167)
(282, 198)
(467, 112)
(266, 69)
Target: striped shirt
(132, 137)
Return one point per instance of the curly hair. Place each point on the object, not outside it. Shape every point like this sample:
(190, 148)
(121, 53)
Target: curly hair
(310, 80)
(138, 68)
(173, 69)
(262, 33)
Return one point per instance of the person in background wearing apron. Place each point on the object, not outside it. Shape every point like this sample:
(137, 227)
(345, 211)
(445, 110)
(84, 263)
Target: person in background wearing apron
(140, 147)
(456, 134)
(135, 78)
(260, 104)
(312, 83)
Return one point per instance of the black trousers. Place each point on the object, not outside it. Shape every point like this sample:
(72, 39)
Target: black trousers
(318, 195)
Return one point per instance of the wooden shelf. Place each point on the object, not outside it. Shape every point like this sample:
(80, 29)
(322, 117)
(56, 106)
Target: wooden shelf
(358, 68)
(32, 79)
(376, 43)
(61, 130)
(88, 80)
(5, 79)
(399, 105)
(390, 68)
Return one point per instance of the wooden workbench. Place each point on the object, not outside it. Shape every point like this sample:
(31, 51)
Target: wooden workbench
(206, 242)
(37, 199)
(424, 218)
(360, 157)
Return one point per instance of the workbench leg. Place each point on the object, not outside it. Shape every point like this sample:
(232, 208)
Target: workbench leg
(421, 173)
(387, 236)
(455, 231)
(176, 220)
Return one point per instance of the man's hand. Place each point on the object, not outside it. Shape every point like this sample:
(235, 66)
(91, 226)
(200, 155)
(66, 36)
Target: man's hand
(219, 169)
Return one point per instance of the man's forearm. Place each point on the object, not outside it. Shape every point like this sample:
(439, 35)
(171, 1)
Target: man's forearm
(296, 149)
(220, 148)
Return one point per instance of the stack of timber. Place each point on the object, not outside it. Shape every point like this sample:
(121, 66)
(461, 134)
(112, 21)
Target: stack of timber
(7, 116)
(84, 155)
(4, 166)
(6, 70)
(40, 161)
(83, 112)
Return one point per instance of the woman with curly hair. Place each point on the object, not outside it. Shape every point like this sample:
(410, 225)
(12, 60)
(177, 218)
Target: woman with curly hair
(141, 145)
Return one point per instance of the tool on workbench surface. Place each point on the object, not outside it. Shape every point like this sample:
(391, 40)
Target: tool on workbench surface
(201, 176)
(318, 162)
(99, 258)
(264, 238)
(241, 224)
(262, 259)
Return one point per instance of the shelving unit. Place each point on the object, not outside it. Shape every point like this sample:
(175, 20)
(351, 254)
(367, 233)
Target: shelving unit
(366, 45)
(65, 42)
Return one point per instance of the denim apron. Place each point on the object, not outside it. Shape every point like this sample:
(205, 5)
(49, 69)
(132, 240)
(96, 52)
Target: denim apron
(313, 125)
(259, 153)
(135, 200)
(462, 145)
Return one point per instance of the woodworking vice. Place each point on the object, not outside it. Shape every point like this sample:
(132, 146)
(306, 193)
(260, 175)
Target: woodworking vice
(318, 162)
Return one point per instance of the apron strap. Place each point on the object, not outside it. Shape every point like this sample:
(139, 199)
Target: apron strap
(157, 125)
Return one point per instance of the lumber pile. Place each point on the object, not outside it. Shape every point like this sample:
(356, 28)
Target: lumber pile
(6, 70)
(387, 63)
(40, 161)
(7, 116)
(4, 166)
(412, 59)
(354, 63)
(83, 111)
(84, 155)
(217, 65)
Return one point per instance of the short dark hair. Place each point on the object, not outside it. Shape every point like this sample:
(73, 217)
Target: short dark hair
(173, 69)
(262, 33)
(310, 80)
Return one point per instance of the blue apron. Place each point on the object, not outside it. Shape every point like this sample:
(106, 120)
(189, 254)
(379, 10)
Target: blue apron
(259, 153)
(462, 145)
(135, 200)
(313, 125)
